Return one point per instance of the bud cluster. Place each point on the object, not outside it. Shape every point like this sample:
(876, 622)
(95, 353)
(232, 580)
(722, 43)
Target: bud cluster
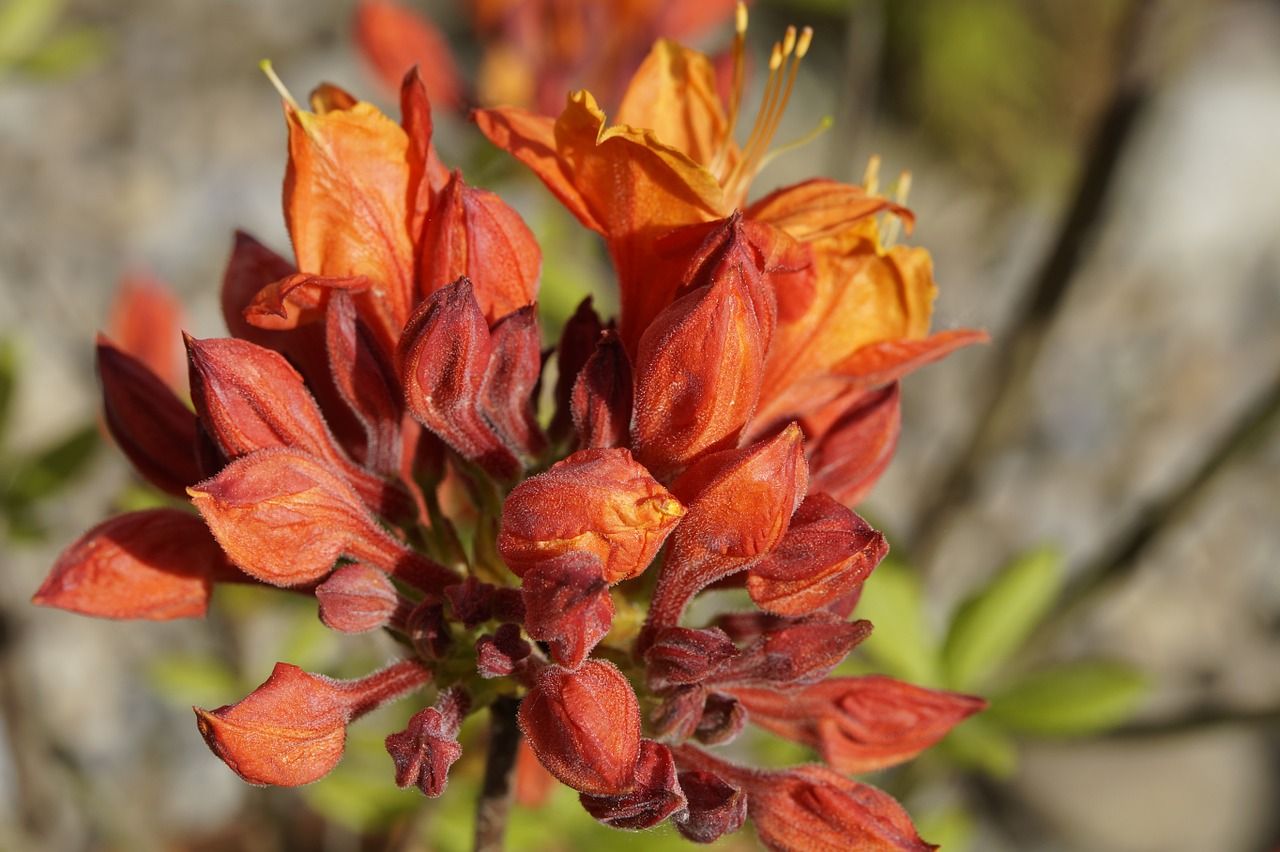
(370, 436)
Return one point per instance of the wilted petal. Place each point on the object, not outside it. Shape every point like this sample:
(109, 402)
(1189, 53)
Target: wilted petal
(599, 501)
(157, 564)
(657, 794)
(827, 552)
(567, 604)
(291, 730)
(584, 726)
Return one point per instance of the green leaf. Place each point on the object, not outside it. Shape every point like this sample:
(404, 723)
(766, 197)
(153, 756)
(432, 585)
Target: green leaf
(979, 743)
(1072, 700)
(53, 469)
(8, 382)
(900, 643)
(995, 622)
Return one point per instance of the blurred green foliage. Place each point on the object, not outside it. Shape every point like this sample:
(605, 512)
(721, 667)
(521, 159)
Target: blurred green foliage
(33, 41)
(31, 479)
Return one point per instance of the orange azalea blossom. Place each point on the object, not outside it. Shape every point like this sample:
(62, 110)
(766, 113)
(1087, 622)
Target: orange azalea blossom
(533, 50)
(375, 407)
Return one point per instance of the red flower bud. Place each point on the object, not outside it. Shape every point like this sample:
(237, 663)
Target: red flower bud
(250, 398)
(515, 366)
(698, 372)
(861, 724)
(601, 398)
(598, 501)
(740, 505)
(714, 808)
(584, 726)
(424, 751)
(577, 344)
(827, 552)
(803, 651)
(723, 718)
(357, 599)
(471, 601)
(676, 718)
(657, 794)
(157, 564)
(683, 655)
(285, 518)
(442, 359)
(152, 426)
(291, 730)
(500, 654)
(567, 604)
(473, 233)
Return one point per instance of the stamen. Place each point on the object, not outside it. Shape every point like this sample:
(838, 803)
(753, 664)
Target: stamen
(265, 65)
(871, 176)
(735, 99)
(824, 124)
(894, 224)
(793, 47)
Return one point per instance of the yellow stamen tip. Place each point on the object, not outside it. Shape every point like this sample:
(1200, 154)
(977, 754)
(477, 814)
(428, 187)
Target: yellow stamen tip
(775, 58)
(904, 188)
(740, 18)
(789, 41)
(802, 45)
(871, 176)
(265, 65)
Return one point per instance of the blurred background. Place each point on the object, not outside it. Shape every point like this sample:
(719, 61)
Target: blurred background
(1083, 514)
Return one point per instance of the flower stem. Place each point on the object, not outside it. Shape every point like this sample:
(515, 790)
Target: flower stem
(495, 796)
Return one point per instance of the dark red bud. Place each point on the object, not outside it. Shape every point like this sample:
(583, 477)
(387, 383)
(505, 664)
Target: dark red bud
(577, 344)
(499, 654)
(657, 794)
(511, 379)
(714, 807)
(602, 394)
(428, 630)
(424, 751)
(471, 601)
(723, 718)
(683, 655)
(855, 450)
(567, 604)
(357, 599)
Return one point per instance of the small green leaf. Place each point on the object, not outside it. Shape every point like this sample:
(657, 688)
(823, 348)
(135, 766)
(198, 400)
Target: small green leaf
(1072, 700)
(8, 382)
(900, 643)
(979, 743)
(53, 469)
(995, 622)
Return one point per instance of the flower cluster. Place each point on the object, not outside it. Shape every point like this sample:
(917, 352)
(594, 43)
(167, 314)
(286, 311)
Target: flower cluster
(369, 436)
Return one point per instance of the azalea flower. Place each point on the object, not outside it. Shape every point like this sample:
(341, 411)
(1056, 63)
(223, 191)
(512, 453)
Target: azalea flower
(374, 409)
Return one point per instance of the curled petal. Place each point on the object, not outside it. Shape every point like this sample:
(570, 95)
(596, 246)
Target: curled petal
(600, 501)
(157, 564)
(298, 299)
(657, 794)
(584, 726)
(826, 554)
(291, 730)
